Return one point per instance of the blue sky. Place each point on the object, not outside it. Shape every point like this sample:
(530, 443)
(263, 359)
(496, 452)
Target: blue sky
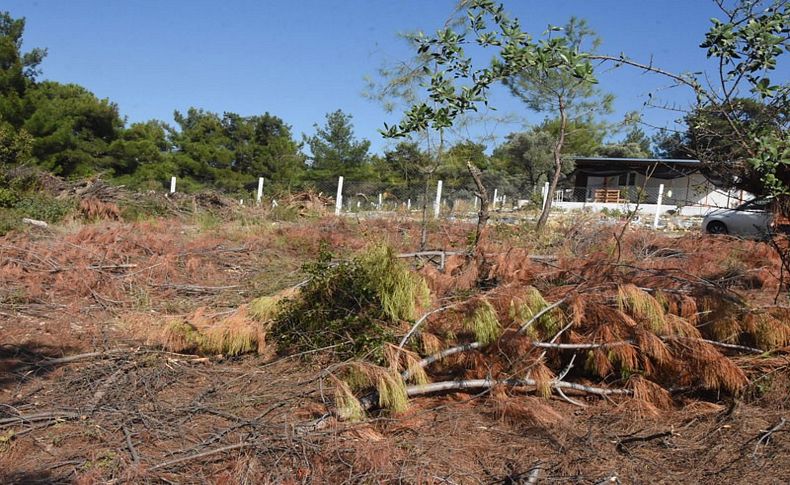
(303, 58)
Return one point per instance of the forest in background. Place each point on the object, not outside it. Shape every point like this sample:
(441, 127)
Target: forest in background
(67, 130)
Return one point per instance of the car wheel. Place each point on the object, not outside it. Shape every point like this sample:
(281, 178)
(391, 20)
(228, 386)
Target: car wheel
(716, 227)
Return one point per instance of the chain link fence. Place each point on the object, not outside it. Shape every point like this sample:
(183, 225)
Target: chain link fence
(452, 197)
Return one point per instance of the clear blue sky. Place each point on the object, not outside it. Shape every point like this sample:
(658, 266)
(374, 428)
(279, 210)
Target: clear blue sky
(301, 59)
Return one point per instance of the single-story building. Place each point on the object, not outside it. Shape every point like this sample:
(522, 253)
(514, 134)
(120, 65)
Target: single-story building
(621, 183)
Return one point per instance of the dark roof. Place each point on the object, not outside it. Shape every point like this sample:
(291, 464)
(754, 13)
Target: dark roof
(646, 161)
(661, 168)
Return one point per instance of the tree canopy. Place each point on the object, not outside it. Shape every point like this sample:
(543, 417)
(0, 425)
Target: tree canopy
(336, 150)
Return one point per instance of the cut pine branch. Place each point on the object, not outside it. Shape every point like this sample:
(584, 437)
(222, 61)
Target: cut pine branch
(481, 384)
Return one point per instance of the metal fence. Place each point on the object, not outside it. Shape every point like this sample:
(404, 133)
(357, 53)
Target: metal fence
(438, 196)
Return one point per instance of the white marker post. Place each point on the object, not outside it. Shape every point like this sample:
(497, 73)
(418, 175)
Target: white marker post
(172, 185)
(494, 206)
(339, 198)
(545, 194)
(438, 204)
(260, 190)
(380, 201)
(408, 204)
(658, 205)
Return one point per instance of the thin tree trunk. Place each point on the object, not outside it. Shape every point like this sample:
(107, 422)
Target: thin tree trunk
(424, 222)
(482, 194)
(544, 216)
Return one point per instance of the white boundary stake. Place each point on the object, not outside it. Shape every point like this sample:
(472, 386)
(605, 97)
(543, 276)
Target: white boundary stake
(172, 185)
(408, 204)
(545, 193)
(438, 204)
(339, 198)
(260, 190)
(495, 192)
(658, 205)
(380, 201)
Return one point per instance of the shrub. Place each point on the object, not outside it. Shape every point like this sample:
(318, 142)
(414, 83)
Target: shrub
(354, 304)
(8, 198)
(44, 208)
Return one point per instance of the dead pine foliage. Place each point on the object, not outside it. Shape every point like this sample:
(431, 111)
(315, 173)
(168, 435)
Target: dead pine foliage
(93, 209)
(154, 351)
(615, 334)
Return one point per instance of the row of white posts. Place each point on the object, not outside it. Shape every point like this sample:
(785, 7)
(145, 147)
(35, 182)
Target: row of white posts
(437, 203)
(339, 197)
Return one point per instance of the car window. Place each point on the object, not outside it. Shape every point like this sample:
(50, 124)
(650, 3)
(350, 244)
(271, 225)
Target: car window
(757, 204)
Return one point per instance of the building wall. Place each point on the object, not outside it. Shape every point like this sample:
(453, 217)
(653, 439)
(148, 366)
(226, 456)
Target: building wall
(692, 195)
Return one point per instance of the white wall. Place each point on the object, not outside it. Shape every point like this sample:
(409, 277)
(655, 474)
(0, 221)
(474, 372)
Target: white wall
(694, 194)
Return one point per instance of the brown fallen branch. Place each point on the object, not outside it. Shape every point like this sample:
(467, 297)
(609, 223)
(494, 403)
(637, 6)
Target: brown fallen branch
(632, 439)
(196, 289)
(33, 418)
(431, 253)
(197, 456)
(78, 357)
(102, 389)
(107, 354)
(110, 266)
(130, 446)
(765, 436)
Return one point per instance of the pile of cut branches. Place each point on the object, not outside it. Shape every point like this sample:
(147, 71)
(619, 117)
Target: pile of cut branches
(598, 327)
(573, 327)
(308, 203)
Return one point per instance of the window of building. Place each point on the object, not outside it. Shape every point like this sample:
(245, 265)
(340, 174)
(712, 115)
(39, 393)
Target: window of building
(627, 179)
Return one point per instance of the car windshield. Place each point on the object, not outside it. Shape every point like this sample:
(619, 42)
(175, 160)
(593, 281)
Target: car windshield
(755, 205)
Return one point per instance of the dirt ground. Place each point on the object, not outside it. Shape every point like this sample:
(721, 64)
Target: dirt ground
(89, 395)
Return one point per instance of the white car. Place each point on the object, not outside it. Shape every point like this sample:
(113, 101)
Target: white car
(751, 219)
